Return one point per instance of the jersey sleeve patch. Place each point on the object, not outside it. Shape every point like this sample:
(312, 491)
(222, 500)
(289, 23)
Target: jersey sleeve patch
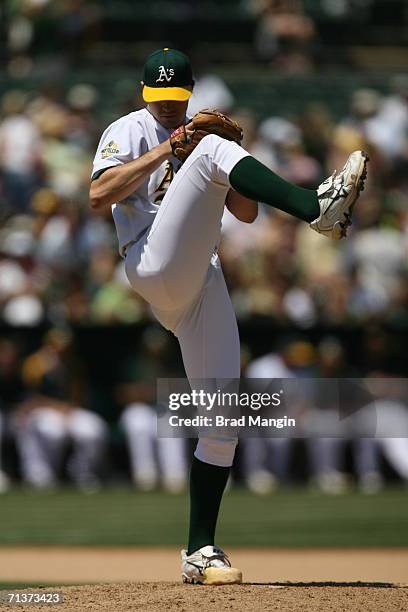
(109, 149)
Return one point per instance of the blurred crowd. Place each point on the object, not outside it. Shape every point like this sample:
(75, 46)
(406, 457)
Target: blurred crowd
(285, 35)
(60, 271)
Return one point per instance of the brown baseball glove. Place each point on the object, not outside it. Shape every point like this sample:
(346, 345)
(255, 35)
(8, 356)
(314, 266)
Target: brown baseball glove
(207, 121)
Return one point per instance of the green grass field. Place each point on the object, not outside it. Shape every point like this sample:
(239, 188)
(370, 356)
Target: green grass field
(289, 518)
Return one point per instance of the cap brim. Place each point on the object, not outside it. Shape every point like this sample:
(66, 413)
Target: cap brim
(158, 94)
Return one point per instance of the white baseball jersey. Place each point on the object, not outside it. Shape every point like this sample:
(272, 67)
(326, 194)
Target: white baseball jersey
(123, 141)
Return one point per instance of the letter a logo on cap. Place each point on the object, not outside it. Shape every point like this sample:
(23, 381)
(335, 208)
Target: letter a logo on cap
(165, 74)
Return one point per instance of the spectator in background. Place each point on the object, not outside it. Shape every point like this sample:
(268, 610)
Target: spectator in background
(389, 414)
(266, 460)
(20, 300)
(376, 254)
(50, 421)
(21, 18)
(384, 119)
(78, 26)
(67, 163)
(373, 416)
(287, 155)
(317, 125)
(111, 299)
(20, 154)
(359, 411)
(363, 128)
(57, 224)
(285, 36)
(210, 91)
(83, 127)
(153, 459)
(322, 425)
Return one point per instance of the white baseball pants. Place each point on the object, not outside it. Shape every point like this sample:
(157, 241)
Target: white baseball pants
(174, 268)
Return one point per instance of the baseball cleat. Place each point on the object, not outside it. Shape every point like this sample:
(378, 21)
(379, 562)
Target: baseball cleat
(208, 565)
(337, 196)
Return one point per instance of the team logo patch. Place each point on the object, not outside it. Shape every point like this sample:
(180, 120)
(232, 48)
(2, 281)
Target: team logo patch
(109, 149)
(164, 184)
(165, 74)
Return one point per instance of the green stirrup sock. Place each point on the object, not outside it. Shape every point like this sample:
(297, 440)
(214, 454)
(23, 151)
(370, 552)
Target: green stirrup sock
(207, 484)
(254, 180)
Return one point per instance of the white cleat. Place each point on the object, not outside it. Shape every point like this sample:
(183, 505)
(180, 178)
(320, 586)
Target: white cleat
(337, 196)
(208, 565)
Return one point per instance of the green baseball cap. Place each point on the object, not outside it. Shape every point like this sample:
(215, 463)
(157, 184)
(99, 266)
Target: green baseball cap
(167, 75)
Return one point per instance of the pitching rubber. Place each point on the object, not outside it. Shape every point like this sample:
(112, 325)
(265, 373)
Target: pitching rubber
(222, 575)
(217, 576)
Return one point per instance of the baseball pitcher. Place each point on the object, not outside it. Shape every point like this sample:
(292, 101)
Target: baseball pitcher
(167, 178)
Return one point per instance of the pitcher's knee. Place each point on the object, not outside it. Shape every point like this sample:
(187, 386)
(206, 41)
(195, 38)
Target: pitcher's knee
(216, 451)
(208, 143)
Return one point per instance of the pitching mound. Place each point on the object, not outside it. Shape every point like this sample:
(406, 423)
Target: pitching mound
(170, 596)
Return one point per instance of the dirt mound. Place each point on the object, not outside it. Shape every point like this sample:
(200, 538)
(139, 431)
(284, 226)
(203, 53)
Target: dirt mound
(169, 597)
